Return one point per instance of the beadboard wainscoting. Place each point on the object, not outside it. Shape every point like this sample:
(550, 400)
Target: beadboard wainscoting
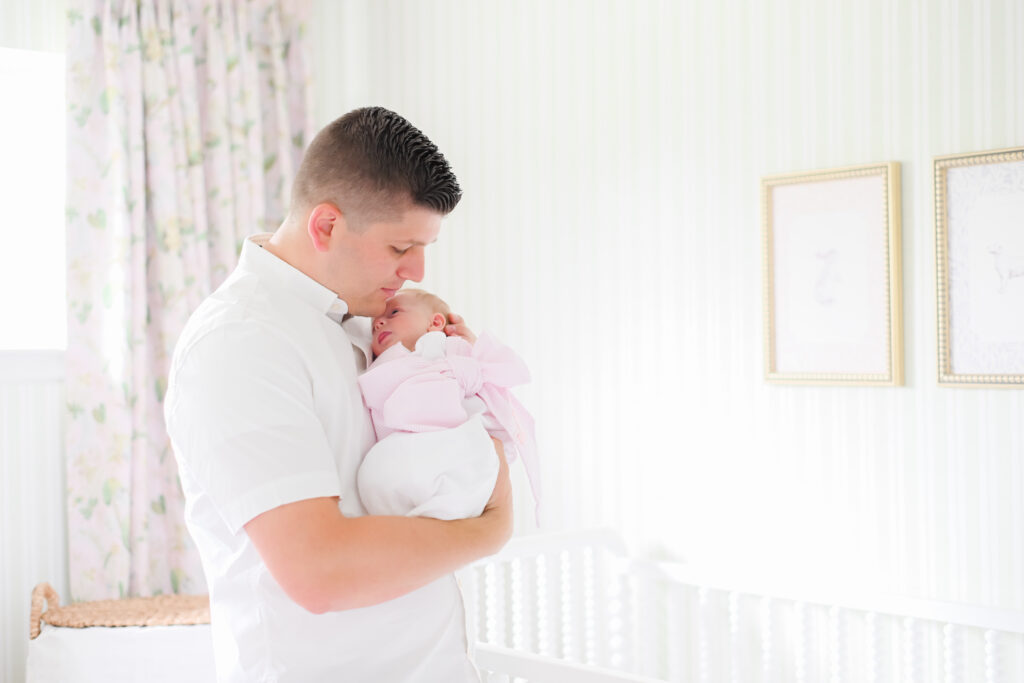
(33, 536)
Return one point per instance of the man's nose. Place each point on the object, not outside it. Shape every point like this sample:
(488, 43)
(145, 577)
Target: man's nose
(412, 266)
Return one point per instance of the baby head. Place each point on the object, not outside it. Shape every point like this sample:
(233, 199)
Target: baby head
(408, 315)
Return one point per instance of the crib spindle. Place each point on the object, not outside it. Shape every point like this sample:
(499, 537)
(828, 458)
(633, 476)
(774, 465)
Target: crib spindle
(704, 634)
(542, 603)
(837, 647)
(647, 626)
(627, 589)
(495, 610)
(953, 653)
(555, 587)
(675, 632)
(767, 640)
(735, 654)
(913, 659)
(531, 593)
(993, 662)
(873, 648)
(802, 647)
(602, 615)
(589, 608)
(516, 604)
(614, 612)
(582, 612)
(617, 625)
(567, 584)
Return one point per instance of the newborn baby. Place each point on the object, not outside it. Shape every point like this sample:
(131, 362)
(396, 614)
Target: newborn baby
(435, 401)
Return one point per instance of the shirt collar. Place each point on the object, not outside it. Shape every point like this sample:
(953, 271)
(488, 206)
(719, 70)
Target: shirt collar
(358, 331)
(256, 259)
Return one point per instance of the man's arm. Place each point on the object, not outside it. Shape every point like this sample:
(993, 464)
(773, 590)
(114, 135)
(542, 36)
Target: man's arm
(326, 562)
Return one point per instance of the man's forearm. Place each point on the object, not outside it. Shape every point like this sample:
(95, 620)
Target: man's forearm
(325, 561)
(381, 558)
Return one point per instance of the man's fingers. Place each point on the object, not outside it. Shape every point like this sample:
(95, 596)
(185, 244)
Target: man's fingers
(457, 328)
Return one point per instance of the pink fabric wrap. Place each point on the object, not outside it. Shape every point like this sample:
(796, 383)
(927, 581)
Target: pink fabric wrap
(408, 392)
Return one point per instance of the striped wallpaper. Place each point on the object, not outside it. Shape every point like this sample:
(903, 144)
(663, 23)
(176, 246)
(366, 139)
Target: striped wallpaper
(610, 153)
(28, 25)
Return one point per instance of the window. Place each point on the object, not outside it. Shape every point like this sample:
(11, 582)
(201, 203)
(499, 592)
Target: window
(32, 178)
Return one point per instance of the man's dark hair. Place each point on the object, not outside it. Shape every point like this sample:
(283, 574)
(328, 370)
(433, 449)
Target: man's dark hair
(372, 164)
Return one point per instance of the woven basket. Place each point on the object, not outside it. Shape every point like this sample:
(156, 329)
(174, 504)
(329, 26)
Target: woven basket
(160, 610)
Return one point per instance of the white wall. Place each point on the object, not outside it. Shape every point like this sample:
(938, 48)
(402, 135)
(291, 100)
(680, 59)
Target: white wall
(610, 153)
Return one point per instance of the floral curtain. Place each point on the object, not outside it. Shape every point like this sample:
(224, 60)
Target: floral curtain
(186, 121)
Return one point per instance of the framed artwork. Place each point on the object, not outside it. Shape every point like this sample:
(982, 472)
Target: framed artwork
(832, 276)
(979, 268)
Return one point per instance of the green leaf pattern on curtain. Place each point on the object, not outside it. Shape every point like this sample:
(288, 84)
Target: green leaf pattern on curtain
(186, 121)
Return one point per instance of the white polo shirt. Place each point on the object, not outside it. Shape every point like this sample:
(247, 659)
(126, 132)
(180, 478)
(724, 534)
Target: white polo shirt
(263, 409)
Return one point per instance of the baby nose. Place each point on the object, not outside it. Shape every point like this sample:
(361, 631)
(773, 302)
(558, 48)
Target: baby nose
(377, 323)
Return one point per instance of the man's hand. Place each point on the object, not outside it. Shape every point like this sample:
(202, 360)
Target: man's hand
(457, 327)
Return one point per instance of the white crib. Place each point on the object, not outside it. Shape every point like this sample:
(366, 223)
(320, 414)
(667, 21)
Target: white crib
(573, 608)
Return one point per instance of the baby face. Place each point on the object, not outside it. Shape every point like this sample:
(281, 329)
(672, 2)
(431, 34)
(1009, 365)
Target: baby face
(405, 319)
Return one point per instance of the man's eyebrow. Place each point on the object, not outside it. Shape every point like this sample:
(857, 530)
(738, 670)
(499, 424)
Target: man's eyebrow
(417, 243)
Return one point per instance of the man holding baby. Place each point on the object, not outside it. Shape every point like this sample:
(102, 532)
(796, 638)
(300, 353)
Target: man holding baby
(269, 428)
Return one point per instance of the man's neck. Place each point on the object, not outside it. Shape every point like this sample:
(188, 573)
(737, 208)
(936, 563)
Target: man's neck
(284, 245)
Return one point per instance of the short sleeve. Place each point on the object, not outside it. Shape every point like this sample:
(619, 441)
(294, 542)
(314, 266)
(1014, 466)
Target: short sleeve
(242, 421)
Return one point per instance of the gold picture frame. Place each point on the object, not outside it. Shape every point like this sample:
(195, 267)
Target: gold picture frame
(831, 249)
(979, 268)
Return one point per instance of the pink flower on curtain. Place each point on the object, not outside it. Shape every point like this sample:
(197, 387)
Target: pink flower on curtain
(186, 121)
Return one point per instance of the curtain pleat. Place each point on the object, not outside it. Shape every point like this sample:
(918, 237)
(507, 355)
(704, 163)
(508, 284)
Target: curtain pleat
(186, 122)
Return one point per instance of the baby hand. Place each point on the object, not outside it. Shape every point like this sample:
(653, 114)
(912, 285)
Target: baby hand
(457, 327)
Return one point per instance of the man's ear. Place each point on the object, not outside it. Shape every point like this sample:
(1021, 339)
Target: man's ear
(437, 322)
(325, 220)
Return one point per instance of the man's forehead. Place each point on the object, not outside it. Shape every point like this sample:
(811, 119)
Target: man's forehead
(416, 226)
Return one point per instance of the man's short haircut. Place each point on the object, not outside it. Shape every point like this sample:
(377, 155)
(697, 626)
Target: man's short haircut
(373, 164)
(432, 301)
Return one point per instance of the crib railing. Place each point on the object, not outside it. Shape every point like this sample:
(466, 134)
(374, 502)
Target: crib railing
(572, 607)
(505, 665)
(553, 608)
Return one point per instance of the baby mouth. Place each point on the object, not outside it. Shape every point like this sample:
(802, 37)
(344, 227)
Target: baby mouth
(382, 336)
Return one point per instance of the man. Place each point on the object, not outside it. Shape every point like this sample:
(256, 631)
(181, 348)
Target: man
(269, 428)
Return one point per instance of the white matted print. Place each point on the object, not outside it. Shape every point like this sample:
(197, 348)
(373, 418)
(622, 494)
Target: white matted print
(832, 276)
(979, 239)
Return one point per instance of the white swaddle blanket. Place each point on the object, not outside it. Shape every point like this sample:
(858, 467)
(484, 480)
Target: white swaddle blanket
(446, 474)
